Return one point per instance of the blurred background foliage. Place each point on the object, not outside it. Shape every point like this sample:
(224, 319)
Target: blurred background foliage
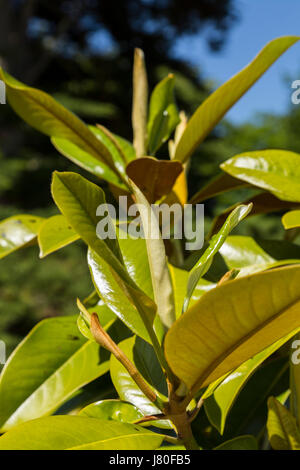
(80, 51)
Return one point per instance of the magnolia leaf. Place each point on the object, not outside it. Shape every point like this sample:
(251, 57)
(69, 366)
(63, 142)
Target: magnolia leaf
(18, 231)
(55, 233)
(155, 178)
(282, 428)
(161, 280)
(277, 171)
(220, 402)
(163, 114)
(79, 433)
(291, 219)
(116, 410)
(147, 364)
(42, 112)
(87, 161)
(51, 363)
(211, 111)
(203, 265)
(79, 201)
(239, 443)
(232, 323)
(139, 103)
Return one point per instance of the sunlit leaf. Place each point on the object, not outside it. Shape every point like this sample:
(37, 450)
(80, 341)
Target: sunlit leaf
(232, 323)
(112, 410)
(277, 171)
(17, 232)
(55, 233)
(79, 433)
(47, 367)
(211, 111)
(291, 219)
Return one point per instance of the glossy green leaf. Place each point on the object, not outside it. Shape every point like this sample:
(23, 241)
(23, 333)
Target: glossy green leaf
(253, 255)
(276, 171)
(87, 161)
(203, 265)
(218, 405)
(160, 275)
(112, 410)
(17, 232)
(112, 292)
(55, 233)
(239, 443)
(126, 147)
(282, 428)
(232, 323)
(79, 433)
(47, 367)
(291, 219)
(163, 114)
(211, 111)
(45, 114)
(147, 364)
(78, 200)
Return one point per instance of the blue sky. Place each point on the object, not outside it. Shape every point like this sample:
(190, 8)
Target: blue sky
(260, 21)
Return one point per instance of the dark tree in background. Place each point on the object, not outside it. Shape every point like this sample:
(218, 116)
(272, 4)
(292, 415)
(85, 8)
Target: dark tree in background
(81, 51)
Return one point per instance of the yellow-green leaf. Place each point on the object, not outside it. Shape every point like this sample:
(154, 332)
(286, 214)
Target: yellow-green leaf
(277, 171)
(232, 323)
(216, 105)
(161, 279)
(45, 114)
(79, 433)
(55, 233)
(282, 429)
(17, 232)
(291, 219)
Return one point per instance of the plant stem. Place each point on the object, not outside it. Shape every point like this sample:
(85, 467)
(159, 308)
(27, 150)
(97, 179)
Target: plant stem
(184, 430)
(103, 338)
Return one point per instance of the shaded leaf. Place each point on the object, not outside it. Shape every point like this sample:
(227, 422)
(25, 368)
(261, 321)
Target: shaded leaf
(218, 405)
(239, 443)
(163, 114)
(155, 178)
(282, 429)
(203, 265)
